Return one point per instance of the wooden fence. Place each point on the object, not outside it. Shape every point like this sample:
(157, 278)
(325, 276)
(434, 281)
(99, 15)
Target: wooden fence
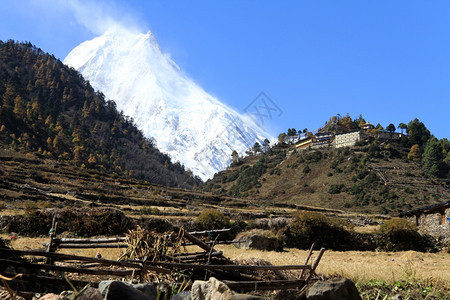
(209, 261)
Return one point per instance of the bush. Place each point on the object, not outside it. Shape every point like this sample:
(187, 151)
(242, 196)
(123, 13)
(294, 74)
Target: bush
(313, 227)
(212, 219)
(336, 188)
(400, 234)
(315, 156)
(306, 169)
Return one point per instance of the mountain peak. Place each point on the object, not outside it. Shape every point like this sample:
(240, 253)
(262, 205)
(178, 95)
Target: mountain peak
(190, 125)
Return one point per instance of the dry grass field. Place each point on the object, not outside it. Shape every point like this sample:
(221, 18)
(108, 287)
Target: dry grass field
(360, 266)
(356, 265)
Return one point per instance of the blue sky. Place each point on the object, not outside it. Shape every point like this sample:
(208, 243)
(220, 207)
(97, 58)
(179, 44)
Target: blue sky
(386, 60)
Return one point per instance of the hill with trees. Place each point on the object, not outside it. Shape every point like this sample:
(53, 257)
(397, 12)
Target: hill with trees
(386, 176)
(48, 109)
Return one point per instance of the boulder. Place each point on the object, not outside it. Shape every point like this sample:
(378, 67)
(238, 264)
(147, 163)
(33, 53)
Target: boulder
(258, 239)
(214, 289)
(52, 296)
(116, 290)
(186, 295)
(91, 294)
(333, 289)
(147, 289)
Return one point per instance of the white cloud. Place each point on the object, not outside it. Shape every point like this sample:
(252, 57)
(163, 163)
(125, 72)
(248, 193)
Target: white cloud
(98, 16)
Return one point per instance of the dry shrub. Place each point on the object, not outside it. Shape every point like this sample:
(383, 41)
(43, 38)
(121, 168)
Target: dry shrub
(79, 221)
(266, 274)
(30, 207)
(151, 244)
(93, 221)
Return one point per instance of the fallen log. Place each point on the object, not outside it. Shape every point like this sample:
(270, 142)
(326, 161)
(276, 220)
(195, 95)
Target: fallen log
(217, 243)
(226, 267)
(209, 231)
(61, 256)
(189, 253)
(195, 256)
(88, 240)
(53, 280)
(83, 246)
(193, 239)
(65, 269)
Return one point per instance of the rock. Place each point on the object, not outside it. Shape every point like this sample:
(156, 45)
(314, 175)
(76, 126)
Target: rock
(91, 294)
(333, 289)
(147, 289)
(186, 295)
(258, 239)
(212, 289)
(117, 290)
(246, 297)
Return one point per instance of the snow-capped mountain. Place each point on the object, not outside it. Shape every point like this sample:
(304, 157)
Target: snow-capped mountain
(190, 125)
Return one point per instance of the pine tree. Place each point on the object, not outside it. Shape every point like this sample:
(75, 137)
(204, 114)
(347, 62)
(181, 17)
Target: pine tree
(418, 133)
(432, 157)
(256, 148)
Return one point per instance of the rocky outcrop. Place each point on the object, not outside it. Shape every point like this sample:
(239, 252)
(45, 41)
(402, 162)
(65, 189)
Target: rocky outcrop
(258, 239)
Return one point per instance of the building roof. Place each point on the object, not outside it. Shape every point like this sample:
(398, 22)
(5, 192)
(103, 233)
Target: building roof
(426, 210)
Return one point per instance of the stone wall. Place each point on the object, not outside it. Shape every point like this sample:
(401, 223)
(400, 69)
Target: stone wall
(432, 224)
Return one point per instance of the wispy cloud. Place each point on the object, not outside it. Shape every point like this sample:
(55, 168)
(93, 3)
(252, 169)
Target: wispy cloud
(98, 16)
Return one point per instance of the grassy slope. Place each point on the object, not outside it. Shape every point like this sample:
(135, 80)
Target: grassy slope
(360, 179)
(29, 182)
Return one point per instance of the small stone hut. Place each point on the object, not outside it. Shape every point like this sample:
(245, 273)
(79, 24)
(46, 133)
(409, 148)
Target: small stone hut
(433, 220)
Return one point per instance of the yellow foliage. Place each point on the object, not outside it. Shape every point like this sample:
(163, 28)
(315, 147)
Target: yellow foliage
(92, 159)
(415, 154)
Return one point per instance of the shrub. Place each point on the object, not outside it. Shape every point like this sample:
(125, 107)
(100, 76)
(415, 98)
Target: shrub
(30, 207)
(275, 171)
(313, 227)
(306, 169)
(336, 188)
(212, 219)
(315, 156)
(400, 234)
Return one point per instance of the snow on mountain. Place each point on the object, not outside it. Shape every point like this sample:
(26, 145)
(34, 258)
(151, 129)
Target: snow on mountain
(187, 123)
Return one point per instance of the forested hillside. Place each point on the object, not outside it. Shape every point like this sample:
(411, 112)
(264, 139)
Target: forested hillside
(387, 176)
(49, 109)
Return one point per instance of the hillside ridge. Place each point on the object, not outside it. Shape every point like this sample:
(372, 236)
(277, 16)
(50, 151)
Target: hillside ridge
(49, 109)
(380, 171)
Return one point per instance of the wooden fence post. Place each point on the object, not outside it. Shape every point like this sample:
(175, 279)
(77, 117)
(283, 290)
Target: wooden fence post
(52, 235)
